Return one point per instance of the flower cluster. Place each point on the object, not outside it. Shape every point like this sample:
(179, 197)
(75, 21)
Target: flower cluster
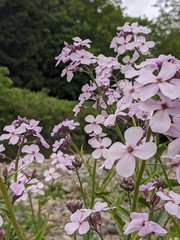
(138, 107)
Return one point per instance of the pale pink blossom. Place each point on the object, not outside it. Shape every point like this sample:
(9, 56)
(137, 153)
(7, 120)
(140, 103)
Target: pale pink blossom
(142, 45)
(32, 152)
(79, 42)
(127, 153)
(94, 124)
(152, 84)
(51, 174)
(101, 147)
(108, 164)
(82, 57)
(140, 223)
(69, 72)
(78, 222)
(17, 188)
(172, 205)
(14, 134)
(163, 110)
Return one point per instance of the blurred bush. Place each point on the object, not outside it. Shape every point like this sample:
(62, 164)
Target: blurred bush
(48, 110)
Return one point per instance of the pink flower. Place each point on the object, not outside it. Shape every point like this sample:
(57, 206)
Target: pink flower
(79, 42)
(146, 189)
(144, 46)
(140, 223)
(101, 147)
(172, 205)
(127, 153)
(17, 188)
(94, 124)
(50, 174)
(100, 206)
(152, 84)
(78, 222)
(82, 57)
(69, 72)
(32, 153)
(13, 135)
(163, 110)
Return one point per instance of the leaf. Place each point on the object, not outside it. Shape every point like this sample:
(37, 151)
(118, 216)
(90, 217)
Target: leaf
(161, 149)
(118, 219)
(42, 231)
(123, 210)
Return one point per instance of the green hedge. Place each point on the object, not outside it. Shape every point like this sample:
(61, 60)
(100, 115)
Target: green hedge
(48, 110)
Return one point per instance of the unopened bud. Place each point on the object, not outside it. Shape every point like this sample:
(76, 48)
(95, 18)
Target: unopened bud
(155, 200)
(2, 232)
(127, 184)
(77, 162)
(159, 183)
(74, 205)
(5, 172)
(95, 220)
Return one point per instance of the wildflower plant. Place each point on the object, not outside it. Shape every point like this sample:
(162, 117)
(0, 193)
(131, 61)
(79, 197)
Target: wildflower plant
(134, 136)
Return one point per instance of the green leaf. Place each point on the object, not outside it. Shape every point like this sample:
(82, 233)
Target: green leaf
(42, 231)
(123, 210)
(161, 149)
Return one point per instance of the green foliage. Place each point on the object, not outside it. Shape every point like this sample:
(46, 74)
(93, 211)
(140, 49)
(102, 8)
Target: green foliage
(166, 28)
(33, 32)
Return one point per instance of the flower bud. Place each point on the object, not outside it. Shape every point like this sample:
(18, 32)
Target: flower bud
(159, 183)
(5, 172)
(127, 184)
(77, 162)
(95, 220)
(74, 205)
(155, 200)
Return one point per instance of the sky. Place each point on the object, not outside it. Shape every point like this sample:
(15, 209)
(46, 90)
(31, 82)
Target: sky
(139, 8)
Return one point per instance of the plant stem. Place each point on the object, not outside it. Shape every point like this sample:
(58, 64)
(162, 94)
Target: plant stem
(10, 210)
(17, 158)
(164, 171)
(81, 188)
(8, 230)
(93, 183)
(32, 211)
(176, 226)
(138, 181)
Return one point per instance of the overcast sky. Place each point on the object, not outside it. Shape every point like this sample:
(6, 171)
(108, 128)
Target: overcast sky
(137, 8)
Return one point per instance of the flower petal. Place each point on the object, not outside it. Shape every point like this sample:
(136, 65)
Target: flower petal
(126, 165)
(145, 151)
(161, 116)
(133, 135)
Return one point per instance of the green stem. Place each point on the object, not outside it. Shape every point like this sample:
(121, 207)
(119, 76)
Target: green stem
(176, 226)
(17, 158)
(10, 211)
(32, 211)
(81, 188)
(93, 183)
(8, 230)
(39, 214)
(138, 181)
(164, 171)
(109, 179)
